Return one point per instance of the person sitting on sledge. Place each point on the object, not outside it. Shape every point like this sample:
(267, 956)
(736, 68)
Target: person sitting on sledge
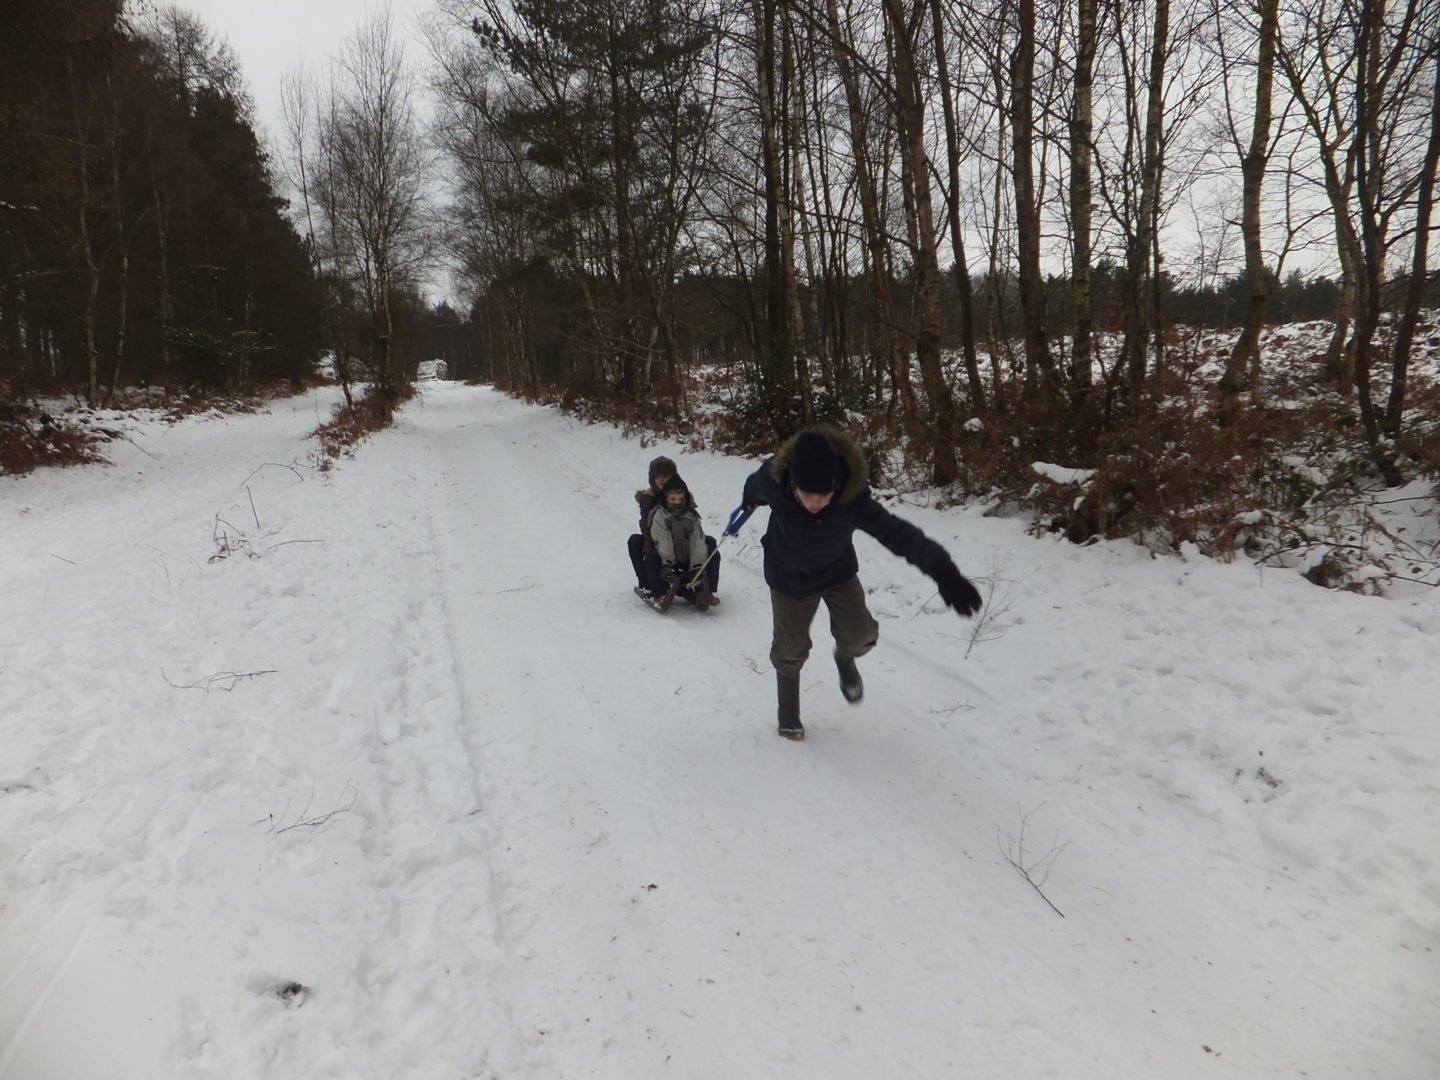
(648, 498)
(680, 550)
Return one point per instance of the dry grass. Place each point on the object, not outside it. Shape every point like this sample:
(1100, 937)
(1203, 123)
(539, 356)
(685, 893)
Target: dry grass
(352, 423)
(1290, 482)
(31, 438)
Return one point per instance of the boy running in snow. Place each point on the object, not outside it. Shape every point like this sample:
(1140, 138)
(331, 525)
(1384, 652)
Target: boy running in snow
(816, 489)
(679, 548)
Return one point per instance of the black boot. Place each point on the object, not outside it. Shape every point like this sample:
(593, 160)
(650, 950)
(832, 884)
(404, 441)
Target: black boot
(789, 692)
(851, 685)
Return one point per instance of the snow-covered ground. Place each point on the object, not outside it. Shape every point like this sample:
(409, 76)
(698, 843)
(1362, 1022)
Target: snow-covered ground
(384, 772)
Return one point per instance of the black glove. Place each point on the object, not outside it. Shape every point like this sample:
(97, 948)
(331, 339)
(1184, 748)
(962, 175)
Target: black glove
(672, 574)
(957, 590)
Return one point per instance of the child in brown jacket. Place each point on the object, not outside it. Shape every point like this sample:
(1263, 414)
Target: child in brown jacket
(647, 498)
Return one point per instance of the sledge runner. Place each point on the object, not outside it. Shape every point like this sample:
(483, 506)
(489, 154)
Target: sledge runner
(816, 489)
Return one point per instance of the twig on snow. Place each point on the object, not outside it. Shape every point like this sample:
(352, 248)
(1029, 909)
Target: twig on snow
(212, 681)
(137, 446)
(305, 820)
(998, 601)
(225, 545)
(1016, 855)
(275, 465)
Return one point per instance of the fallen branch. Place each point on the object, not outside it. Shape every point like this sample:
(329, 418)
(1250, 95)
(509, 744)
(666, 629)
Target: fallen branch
(225, 546)
(305, 820)
(275, 465)
(209, 682)
(988, 624)
(1017, 857)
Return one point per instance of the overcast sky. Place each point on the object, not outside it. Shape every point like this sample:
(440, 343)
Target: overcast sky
(272, 36)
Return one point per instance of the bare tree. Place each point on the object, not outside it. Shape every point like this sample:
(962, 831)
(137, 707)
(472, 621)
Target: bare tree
(953, 151)
(1138, 264)
(779, 334)
(1081, 161)
(1140, 149)
(1420, 249)
(843, 39)
(1023, 139)
(1358, 70)
(370, 173)
(1245, 356)
(909, 108)
(596, 116)
(299, 104)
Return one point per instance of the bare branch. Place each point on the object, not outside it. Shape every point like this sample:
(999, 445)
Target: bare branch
(1015, 854)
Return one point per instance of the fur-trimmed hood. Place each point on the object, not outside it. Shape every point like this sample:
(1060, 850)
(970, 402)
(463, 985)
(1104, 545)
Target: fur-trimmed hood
(852, 461)
(808, 553)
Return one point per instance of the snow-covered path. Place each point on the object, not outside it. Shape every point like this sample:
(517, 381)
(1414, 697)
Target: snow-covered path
(423, 791)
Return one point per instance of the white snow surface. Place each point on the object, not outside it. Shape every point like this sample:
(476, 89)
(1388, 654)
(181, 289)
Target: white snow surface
(410, 784)
(1059, 474)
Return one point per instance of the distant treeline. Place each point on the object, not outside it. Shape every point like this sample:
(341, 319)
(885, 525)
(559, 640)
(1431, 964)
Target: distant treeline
(141, 239)
(717, 322)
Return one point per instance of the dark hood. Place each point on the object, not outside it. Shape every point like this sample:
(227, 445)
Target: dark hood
(675, 484)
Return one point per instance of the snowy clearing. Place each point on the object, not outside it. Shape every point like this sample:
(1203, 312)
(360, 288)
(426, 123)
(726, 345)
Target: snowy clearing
(384, 772)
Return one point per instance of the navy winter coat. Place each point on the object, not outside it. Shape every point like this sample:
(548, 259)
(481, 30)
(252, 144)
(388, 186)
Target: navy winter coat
(807, 554)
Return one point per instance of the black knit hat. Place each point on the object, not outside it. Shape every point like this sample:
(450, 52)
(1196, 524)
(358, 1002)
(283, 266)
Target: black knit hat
(814, 464)
(661, 465)
(675, 484)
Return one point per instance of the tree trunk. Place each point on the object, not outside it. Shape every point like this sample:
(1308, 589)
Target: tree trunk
(1419, 268)
(122, 242)
(872, 216)
(1338, 363)
(1245, 355)
(1368, 180)
(1040, 366)
(621, 152)
(775, 359)
(995, 330)
(794, 318)
(910, 114)
(957, 241)
(165, 302)
(91, 270)
(1082, 152)
(1142, 284)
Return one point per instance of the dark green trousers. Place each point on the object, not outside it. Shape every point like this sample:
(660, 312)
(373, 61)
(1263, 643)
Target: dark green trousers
(851, 624)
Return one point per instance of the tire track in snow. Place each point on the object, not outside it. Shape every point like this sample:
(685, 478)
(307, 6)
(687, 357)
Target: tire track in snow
(557, 764)
(425, 854)
(55, 959)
